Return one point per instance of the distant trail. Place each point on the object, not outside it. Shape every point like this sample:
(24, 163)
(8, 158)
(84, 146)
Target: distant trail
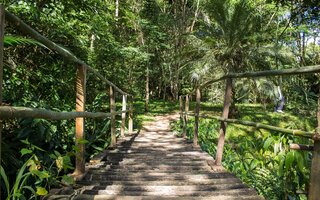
(155, 164)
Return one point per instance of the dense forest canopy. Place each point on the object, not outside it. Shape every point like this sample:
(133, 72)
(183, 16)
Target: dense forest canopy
(153, 49)
(180, 41)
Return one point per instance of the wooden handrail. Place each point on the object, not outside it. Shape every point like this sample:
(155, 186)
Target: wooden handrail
(279, 72)
(8, 112)
(23, 27)
(301, 133)
(12, 112)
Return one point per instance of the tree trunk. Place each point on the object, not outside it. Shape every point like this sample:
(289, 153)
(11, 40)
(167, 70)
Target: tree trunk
(195, 17)
(223, 125)
(117, 10)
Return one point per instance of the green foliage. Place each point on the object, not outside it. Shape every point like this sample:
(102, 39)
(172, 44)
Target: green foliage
(21, 188)
(16, 40)
(260, 158)
(156, 35)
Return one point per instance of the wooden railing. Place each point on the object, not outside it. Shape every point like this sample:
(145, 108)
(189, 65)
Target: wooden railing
(8, 112)
(314, 191)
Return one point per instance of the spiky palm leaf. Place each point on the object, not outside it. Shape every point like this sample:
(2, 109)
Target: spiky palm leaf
(10, 40)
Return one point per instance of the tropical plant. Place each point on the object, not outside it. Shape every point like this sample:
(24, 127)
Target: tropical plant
(21, 186)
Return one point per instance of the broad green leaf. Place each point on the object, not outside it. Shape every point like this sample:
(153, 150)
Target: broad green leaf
(25, 151)
(41, 174)
(267, 143)
(32, 165)
(41, 191)
(254, 164)
(67, 163)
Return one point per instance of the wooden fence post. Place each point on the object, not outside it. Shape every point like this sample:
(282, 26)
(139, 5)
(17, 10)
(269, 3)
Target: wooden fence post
(123, 115)
(185, 117)
(130, 123)
(181, 107)
(196, 121)
(1, 70)
(223, 125)
(314, 188)
(80, 127)
(113, 118)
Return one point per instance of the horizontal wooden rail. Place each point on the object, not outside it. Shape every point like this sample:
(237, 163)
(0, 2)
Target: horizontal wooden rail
(9, 112)
(260, 125)
(280, 72)
(23, 27)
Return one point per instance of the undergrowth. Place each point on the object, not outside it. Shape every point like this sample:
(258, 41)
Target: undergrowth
(260, 158)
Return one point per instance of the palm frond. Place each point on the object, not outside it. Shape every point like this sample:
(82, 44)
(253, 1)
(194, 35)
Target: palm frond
(10, 40)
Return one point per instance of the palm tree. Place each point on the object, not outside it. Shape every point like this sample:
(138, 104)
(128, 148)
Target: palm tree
(236, 25)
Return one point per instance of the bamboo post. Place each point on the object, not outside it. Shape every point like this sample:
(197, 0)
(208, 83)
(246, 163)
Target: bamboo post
(123, 115)
(196, 121)
(1, 71)
(113, 118)
(80, 107)
(130, 123)
(223, 125)
(314, 188)
(185, 117)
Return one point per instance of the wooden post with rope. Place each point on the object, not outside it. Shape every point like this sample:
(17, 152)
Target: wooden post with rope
(113, 118)
(314, 188)
(123, 115)
(130, 122)
(196, 120)
(181, 107)
(80, 127)
(185, 117)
